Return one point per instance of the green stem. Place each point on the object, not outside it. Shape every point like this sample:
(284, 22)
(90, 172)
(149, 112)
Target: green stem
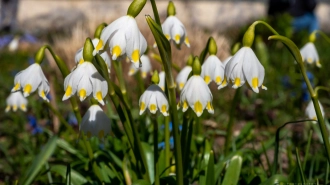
(300, 169)
(321, 88)
(167, 144)
(60, 117)
(296, 53)
(277, 143)
(156, 169)
(119, 72)
(164, 49)
(125, 116)
(154, 9)
(307, 148)
(322, 34)
(186, 157)
(140, 83)
(230, 126)
(327, 174)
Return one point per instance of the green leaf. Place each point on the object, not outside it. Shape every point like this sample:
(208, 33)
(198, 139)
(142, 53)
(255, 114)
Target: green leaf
(39, 161)
(141, 182)
(66, 146)
(76, 178)
(275, 179)
(210, 170)
(149, 154)
(68, 175)
(233, 171)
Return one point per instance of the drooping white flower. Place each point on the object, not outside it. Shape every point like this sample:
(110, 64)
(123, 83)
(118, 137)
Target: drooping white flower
(213, 69)
(182, 77)
(197, 95)
(31, 79)
(224, 82)
(309, 54)
(225, 62)
(145, 69)
(16, 100)
(153, 99)
(161, 83)
(245, 66)
(124, 37)
(174, 30)
(85, 80)
(310, 111)
(79, 55)
(95, 123)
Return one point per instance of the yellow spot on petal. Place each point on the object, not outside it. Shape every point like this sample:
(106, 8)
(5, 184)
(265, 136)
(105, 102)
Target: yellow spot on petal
(207, 79)
(314, 118)
(218, 79)
(116, 51)
(144, 74)
(16, 87)
(152, 108)
(167, 36)
(198, 107)
(318, 64)
(163, 108)
(14, 108)
(68, 91)
(99, 95)
(101, 134)
(27, 89)
(82, 93)
(224, 82)
(131, 71)
(309, 60)
(255, 82)
(23, 107)
(186, 40)
(136, 55)
(181, 85)
(177, 38)
(142, 106)
(237, 82)
(185, 105)
(209, 106)
(99, 45)
(89, 134)
(7, 108)
(42, 94)
(81, 61)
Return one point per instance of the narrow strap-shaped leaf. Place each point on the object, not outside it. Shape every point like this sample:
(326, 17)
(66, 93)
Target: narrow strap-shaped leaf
(233, 171)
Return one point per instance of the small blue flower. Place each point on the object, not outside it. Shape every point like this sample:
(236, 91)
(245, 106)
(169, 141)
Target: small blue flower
(161, 145)
(171, 127)
(35, 128)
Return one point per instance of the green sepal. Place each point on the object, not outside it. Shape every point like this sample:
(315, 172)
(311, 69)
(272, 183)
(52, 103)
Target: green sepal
(155, 77)
(88, 50)
(235, 48)
(135, 7)
(98, 31)
(171, 9)
(196, 67)
(40, 55)
(248, 37)
(190, 60)
(212, 47)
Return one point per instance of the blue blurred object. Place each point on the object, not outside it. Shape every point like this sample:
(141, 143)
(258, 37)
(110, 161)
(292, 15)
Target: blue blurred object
(307, 21)
(5, 40)
(72, 120)
(171, 127)
(34, 125)
(161, 145)
(29, 38)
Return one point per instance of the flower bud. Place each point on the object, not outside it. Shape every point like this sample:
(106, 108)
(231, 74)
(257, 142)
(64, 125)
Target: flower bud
(155, 77)
(213, 49)
(170, 9)
(135, 7)
(235, 48)
(190, 60)
(99, 29)
(196, 67)
(88, 50)
(248, 37)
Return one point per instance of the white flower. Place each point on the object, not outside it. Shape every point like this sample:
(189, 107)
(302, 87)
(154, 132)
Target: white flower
(161, 83)
(182, 77)
(197, 95)
(310, 111)
(174, 30)
(16, 100)
(225, 62)
(153, 99)
(124, 38)
(85, 80)
(30, 79)
(146, 67)
(245, 66)
(13, 45)
(79, 55)
(213, 69)
(309, 54)
(95, 122)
